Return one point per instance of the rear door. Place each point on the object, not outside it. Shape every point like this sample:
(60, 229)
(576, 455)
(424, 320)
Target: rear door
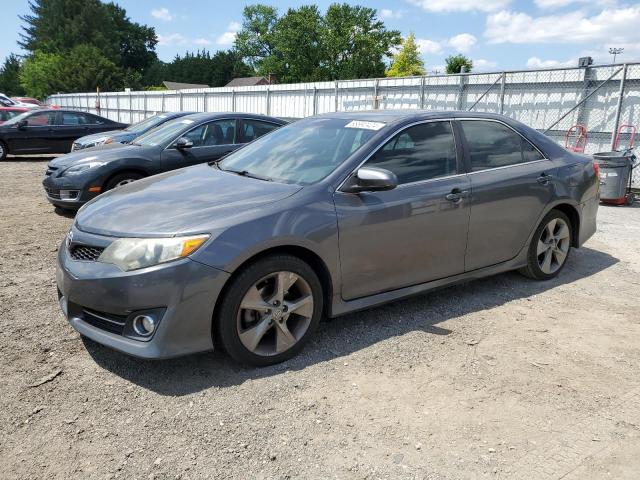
(211, 141)
(414, 233)
(251, 129)
(73, 125)
(511, 183)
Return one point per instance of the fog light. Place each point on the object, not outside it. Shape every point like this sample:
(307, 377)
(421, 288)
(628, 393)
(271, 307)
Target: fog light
(68, 194)
(144, 325)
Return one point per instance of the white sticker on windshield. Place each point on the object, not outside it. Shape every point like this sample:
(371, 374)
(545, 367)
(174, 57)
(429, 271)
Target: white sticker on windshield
(365, 125)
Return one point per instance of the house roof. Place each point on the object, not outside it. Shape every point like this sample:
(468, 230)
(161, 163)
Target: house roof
(247, 82)
(183, 86)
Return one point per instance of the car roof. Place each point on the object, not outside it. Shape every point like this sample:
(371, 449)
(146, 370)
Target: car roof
(392, 116)
(198, 117)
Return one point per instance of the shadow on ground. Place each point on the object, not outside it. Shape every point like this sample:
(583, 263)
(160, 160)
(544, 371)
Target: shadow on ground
(349, 333)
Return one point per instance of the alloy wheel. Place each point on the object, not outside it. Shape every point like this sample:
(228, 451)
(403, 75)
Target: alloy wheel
(124, 182)
(275, 313)
(553, 246)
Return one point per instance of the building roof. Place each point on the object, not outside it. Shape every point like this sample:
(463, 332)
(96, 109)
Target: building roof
(247, 82)
(183, 86)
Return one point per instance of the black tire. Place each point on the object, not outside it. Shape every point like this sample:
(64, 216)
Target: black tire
(114, 181)
(4, 150)
(533, 269)
(226, 330)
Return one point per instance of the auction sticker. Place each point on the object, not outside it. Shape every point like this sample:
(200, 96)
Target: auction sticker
(365, 125)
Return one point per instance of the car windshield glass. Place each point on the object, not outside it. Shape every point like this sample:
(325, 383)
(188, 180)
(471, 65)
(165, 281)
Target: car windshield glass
(17, 118)
(302, 153)
(146, 124)
(164, 133)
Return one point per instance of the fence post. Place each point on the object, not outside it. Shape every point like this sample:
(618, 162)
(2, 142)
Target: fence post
(502, 87)
(180, 96)
(130, 107)
(118, 104)
(314, 107)
(423, 82)
(162, 104)
(268, 100)
(205, 96)
(336, 95)
(461, 91)
(144, 105)
(376, 105)
(616, 123)
(233, 100)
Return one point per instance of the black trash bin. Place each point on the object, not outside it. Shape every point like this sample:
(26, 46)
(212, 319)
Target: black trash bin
(615, 176)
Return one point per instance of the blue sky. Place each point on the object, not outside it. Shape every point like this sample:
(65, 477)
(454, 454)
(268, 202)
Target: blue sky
(496, 34)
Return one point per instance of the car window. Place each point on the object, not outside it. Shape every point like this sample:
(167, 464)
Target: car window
(70, 118)
(40, 119)
(220, 132)
(252, 129)
(419, 153)
(492, 145)
(7, 114)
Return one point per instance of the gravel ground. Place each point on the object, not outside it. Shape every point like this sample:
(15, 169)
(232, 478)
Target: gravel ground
(500, 378)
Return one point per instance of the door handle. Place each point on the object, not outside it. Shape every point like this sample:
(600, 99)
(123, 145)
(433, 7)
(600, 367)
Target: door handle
(544, 179)
(456, 195)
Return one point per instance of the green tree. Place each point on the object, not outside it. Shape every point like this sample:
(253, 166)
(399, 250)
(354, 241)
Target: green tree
(41, 74)
(255, 41)
(456, 62)
(407, 61)
(10, 76)
(202, 67)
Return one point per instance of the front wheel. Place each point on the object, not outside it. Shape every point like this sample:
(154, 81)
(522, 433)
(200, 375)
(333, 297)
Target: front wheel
(122, 179)
(3, 151)
(269, 311)
(550, 247)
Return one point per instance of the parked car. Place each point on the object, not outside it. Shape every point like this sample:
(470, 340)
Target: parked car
(49, 131)
(128, 134)
(7, 113)
(74, 179)
(7, 102)
(34, 101)
(325, 216)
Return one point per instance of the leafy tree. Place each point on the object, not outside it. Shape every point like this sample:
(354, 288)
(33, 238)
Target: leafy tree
(456, 62)
(355, 42)
(347, 42)
(407, 61)
(10, 76)
(41, 74)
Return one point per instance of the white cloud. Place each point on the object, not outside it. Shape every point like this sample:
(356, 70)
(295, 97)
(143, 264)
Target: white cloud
(535, 62)
(613, 25)
(551, 4)
(228, 37)
(428, 46)
(387, 13)
(483, 65)
(461, 5)
(162, 14)
(172, 39)
(463, 42)
(201, 41)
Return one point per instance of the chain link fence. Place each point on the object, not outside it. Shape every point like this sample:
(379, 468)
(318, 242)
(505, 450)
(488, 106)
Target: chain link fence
(598, 99)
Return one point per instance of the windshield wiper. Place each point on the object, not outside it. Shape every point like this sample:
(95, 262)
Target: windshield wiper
(244, 173)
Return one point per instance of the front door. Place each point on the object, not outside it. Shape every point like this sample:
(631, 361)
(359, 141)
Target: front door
(414, 233)
(36, 136)
(211, 141)
(511, 183)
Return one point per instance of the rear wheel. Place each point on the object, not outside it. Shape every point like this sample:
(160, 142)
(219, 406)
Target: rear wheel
(550, 247)
(3, 151)
(122, 179)
(269, 311)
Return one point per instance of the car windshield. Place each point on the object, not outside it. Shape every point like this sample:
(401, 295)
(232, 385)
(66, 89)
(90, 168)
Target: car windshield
(302, 153)
(146, 124)
(164, 133)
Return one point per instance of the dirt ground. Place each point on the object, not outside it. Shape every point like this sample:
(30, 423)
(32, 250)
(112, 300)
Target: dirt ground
(503, 378)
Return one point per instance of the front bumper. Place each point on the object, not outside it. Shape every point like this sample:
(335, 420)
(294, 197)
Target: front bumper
(181, 293)
(70, 193)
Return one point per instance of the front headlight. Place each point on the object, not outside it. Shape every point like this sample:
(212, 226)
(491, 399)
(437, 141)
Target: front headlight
(133, 253)
(82, 167)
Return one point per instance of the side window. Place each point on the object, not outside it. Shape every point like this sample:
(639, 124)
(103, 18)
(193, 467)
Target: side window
(252, 129)
(419, 153)
(493, 145)
(40, 119)
(70, 118)
(220, 132)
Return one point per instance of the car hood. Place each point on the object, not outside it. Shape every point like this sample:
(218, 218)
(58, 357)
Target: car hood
(102, 153)
(190, 200)
(117, 135)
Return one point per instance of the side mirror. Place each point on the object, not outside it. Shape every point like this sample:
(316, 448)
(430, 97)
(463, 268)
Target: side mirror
(371, 179)
(183, 142)
(22, 124)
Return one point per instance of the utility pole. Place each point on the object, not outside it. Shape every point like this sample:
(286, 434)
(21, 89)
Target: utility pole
(615, 52)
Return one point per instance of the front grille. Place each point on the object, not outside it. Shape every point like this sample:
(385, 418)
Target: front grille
(85, 253)
(104, 321)
(52, 193)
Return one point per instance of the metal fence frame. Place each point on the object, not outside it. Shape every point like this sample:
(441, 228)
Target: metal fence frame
(601, 97)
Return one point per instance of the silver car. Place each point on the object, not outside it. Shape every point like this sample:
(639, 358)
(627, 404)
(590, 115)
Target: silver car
(328, 215)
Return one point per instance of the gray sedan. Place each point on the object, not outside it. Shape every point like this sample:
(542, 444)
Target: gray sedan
(325, 216)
